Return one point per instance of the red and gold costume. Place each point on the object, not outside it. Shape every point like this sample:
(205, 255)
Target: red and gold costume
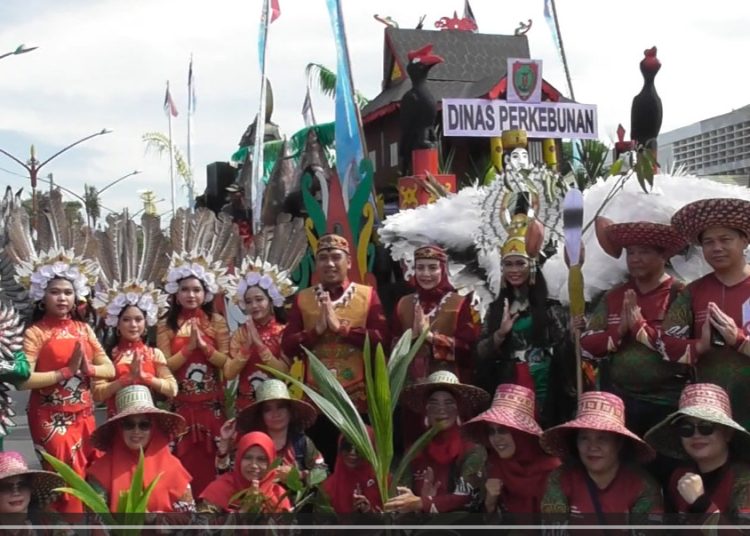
(245, 358)
(61, 416)
(200, 397)
(153, 363)
(361, 314)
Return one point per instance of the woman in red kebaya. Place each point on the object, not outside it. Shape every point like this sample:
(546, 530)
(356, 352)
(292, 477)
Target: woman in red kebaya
(260, 293)
(64, 356)
(131, 309)
(195, 341)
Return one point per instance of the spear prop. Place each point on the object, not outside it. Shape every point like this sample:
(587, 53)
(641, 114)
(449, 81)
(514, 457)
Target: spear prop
(572, 225)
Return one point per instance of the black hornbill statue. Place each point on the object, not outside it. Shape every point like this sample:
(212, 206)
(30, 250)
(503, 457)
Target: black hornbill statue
(646, 112)
(418, 107)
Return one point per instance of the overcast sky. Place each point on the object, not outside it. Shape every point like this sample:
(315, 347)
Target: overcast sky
(104, 63)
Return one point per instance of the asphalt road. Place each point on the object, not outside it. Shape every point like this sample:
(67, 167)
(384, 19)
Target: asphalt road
(19, 438)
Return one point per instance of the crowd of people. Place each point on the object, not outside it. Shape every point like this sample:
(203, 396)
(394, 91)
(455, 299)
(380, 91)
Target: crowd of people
(672, 384)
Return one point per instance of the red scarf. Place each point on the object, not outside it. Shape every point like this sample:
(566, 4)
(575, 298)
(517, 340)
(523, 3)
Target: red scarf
(445, 448)
(115, 471)
(524, 476)
(221, 490)
(340, 486)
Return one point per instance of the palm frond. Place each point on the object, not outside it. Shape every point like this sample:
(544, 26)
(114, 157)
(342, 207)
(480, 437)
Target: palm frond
(324, 79)
(159, 142)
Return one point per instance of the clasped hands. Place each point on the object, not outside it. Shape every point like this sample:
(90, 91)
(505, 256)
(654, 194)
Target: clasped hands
(137, 374)
(722, 322)
(327, 319)
(197, 342)
(77, 362)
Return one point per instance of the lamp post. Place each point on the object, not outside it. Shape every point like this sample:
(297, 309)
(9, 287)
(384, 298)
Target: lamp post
(32, 165)
(21, 49)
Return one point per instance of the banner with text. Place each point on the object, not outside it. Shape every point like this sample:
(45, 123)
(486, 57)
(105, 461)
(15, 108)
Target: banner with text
(489, 118)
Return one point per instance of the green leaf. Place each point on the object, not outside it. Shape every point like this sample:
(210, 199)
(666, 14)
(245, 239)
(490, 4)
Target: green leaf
(410, 454)
(644, 169)
(384, 433)
(142, 505)
(398, 364)
(79, 488)
(136, 485)
(293, 480)
(317, 476)
(616, 167)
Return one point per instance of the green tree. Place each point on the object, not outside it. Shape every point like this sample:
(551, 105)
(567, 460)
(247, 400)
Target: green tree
(324, 79)
(591, 165)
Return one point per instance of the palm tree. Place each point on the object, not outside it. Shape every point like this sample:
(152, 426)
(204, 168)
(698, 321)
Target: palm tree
(91, 204)
(159, 142)
(591, 164)
(325, 80)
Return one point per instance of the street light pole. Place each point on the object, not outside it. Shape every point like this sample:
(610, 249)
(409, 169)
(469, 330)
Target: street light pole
(33, 165)
(21, 49)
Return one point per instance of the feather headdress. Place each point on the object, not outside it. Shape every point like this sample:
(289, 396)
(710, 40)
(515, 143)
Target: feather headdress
(59, 250)
(203, 245)
(133, 260)
(273, 256)
(11, 345)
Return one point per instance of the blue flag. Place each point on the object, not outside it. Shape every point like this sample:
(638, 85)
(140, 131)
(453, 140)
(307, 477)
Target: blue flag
(349, 146)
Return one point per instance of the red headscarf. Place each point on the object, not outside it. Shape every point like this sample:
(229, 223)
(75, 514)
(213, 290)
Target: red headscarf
(115, 471)
(430, 298)
(221, 490)
(524, 476)
(340, 486)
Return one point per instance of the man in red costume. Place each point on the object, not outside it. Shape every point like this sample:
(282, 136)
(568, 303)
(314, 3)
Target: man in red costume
(623, 327)
(708, 325)
(332, 320)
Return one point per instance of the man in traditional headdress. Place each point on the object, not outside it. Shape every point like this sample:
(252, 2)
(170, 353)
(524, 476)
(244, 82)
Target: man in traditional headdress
(624, 325)
(708, 325)
(332, 319)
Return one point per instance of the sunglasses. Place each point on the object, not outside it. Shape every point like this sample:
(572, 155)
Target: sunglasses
(687, 429)
(129, 425)
(13, 487)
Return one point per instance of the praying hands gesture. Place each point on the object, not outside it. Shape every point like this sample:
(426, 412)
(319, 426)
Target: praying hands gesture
(197, 341)
(328, 318)
(74, 364)
(722, 322)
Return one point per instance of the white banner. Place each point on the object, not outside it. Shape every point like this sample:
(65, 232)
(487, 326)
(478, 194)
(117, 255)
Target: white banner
(489, 118)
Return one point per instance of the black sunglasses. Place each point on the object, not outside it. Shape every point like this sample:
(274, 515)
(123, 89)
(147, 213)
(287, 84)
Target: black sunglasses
(12, 487)
(687, 429)
(131, 425)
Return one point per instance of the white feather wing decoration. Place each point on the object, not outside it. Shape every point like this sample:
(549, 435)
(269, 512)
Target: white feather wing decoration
(670, 193)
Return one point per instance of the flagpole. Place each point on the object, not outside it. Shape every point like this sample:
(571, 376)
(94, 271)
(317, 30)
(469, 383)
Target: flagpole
(171, 157)
(255, 193)
(562, 49)
(191, 111)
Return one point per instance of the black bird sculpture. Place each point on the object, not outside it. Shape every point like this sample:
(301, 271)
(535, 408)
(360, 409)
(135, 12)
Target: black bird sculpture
(418, 107)
(646, 112)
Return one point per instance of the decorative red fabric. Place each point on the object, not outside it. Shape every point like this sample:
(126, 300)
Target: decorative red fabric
(220, 492)
(340, 486)
(445, 448)
(524, 476)
(115, 472)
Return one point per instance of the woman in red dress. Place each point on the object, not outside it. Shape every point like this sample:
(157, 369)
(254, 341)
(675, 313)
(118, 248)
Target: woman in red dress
(260, 293)
(195, 341)
(517, 468)
(131, 309)
(252, 471)
(601, 475)
(64, 357)
(138, 426)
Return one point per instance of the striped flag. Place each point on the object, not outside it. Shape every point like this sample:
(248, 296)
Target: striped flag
(469, 14)
(169, 107)
(307, 110)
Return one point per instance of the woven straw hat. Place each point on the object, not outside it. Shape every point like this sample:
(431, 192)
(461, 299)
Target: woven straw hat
(471, 400)
(614, 237)
(694, 218)
(704, 401)
(597, 410)
(512, 407)
(302, 412)
(136, 400)
(42, 482)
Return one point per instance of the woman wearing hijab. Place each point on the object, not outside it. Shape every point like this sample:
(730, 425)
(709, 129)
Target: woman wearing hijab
(601, 474)
(445, 476)
(139, 426)
(255, 455)
(714, 478)
(352, 488)
(517, 468)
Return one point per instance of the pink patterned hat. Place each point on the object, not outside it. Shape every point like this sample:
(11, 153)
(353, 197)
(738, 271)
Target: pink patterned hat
(512, 407)
(703, 401)
(43, 483)
(597, 410)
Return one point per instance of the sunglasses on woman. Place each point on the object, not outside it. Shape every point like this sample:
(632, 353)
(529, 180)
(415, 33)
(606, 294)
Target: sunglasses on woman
(687, 429)
(129, 425)
(13, 487)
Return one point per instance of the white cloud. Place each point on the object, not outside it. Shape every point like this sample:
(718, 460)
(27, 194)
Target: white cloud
(104, 64)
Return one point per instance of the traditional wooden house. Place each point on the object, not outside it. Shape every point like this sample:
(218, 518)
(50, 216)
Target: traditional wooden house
(475, 67)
